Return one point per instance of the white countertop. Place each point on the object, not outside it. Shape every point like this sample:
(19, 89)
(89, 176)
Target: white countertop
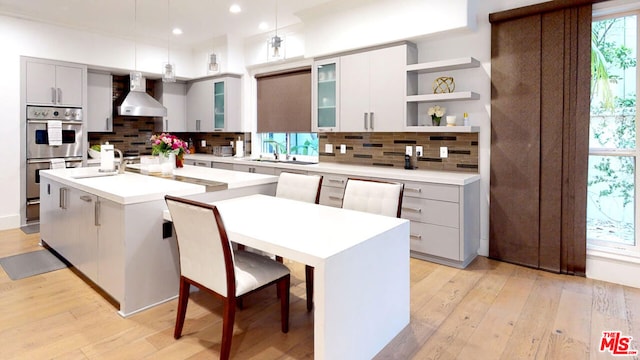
(233, 179)
(130, 188)
(127, 188)
(439, 177)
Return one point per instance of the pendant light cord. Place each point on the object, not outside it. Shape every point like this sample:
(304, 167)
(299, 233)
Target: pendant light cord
(168, 32)
(135, 35)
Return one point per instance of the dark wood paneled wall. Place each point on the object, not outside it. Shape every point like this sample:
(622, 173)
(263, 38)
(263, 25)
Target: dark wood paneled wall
(539, 129)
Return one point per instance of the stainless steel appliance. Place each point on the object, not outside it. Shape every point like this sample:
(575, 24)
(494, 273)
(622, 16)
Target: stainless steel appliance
(40, 152)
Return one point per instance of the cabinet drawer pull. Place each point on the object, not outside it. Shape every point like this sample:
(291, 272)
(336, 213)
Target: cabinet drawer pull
(166, 125)
(106, 123)
(335, 197)
(86, 198)
(371, 120)
(415, 237)
(62, 201)
(418, 190)
(340, 181)
(59, 95)
(53, 95)
(417, 210)
(96, 213)
(366, 117)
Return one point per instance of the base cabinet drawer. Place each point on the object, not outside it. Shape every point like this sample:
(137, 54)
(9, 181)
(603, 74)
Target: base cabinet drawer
(431, 211)
(331, 196)
(432, 191)
(435, 240)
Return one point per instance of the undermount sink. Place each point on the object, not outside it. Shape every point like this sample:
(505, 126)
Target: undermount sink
(296, 162)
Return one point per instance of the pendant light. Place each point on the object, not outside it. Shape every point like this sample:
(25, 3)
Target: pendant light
(212, 65)
(135, 77)
(276, 41)
(168, 69)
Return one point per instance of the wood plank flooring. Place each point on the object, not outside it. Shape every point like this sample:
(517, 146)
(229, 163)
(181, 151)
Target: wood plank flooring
(491, 310)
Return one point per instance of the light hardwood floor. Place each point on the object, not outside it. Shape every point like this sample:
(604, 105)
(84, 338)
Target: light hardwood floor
(491, 310)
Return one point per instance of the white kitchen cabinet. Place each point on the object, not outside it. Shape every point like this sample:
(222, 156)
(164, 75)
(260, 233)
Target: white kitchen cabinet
(110, 253)
(83, 234)
(201, 163)
(445, 222)
(200, 105)
(54, 83)
(221, 165)
(173, 96)
(53, 213)
(267, 170)
(325, 95)
(372, 89)
(99, 102)
(213, 104)
(332, 189)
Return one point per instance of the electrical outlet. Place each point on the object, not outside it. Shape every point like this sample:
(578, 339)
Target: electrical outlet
(408, 150)
(418, 150)
(343, 149)
(444, 152)
(203, 143)
(328, 148)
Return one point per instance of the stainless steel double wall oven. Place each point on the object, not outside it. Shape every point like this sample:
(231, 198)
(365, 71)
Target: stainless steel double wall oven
(40, 152)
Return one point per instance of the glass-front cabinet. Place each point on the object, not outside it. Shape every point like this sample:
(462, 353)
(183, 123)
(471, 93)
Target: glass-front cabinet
(218, 105)
(326, 97)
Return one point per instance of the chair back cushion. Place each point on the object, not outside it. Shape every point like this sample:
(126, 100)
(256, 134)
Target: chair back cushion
(377, 197)
(299, 187)
(203, 245)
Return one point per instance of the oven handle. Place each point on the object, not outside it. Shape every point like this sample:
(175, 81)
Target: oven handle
(64, 122)
(41, 161)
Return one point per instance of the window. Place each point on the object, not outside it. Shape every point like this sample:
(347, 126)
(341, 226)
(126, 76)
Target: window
(612, 208)
(305, 144)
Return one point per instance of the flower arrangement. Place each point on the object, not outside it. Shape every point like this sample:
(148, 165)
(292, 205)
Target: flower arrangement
(166, 144)
(436, 112)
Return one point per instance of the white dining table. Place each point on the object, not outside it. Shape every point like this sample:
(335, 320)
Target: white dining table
(361, 261)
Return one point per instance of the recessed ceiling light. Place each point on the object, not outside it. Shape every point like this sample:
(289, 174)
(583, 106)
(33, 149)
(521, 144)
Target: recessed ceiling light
(235, 8)
(263, 26)
(177, 31)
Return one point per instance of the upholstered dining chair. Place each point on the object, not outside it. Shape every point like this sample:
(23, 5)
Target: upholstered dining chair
(208, 262)
(303, 188)
(299, 187)
(373, 196)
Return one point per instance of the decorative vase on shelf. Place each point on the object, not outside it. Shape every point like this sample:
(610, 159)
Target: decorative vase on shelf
(167, 163)
(436, 112)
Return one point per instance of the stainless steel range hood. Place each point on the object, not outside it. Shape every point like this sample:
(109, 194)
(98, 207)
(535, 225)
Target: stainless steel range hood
(138, 102)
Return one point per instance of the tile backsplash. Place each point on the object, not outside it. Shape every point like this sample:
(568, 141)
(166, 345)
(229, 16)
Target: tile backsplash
(388, 149)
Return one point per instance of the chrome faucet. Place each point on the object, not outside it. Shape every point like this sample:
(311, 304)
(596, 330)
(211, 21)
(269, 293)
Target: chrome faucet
(121, 162)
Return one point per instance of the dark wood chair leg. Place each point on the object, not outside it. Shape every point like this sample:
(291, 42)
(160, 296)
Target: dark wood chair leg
(183, 300)
(240, 303)
(283, 291)
(279, 259)
(228, 318)
(308, 271)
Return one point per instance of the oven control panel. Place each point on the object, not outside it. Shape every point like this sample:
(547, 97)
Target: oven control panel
(53, 113)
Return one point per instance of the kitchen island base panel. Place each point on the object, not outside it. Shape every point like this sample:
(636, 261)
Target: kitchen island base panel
(444, 261)
(367, 287)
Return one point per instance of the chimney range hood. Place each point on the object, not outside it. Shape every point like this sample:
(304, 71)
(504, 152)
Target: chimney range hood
(138, 102)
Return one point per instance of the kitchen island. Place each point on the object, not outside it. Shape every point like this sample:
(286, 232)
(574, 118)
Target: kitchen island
(110, 227)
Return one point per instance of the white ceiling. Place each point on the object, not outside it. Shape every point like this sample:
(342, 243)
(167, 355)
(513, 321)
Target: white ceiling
(200, 20)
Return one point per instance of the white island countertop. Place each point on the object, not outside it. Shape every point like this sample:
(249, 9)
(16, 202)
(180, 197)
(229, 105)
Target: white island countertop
(131, 188)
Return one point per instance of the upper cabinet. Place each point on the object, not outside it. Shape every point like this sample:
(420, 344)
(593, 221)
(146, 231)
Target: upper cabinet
(99, 102)
(325, 95)
(213, 104)
(54, 83)
(173, 96)
(372, 89)
(363, 91)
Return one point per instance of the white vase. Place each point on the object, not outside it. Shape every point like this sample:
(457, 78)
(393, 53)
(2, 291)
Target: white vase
(167, 163)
